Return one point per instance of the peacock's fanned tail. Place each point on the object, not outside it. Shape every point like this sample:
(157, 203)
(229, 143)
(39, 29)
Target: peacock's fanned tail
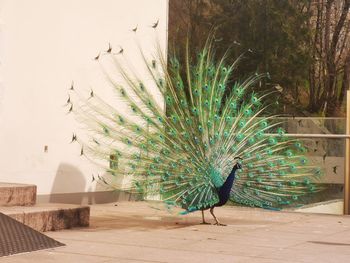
(182, 148)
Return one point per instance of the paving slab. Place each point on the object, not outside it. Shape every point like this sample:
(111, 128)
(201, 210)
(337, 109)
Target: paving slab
(136, 232)
(52, 256)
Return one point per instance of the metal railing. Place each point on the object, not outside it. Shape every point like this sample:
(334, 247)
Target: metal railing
(301, 135)
(347, 157)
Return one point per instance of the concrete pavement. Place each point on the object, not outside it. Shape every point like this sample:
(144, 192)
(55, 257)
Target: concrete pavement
(135, 232)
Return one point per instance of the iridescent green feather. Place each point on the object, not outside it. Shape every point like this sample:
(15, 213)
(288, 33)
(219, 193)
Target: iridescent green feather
(184, 153)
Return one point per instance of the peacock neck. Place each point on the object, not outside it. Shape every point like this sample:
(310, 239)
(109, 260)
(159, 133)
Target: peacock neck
(231, 178)
(225, 189)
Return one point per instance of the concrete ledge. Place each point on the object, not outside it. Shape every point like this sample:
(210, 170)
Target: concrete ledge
(50, 217)
(17, 194)
(335, 207)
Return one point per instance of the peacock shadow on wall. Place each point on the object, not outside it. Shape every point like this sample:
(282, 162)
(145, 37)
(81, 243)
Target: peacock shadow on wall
(68, 179)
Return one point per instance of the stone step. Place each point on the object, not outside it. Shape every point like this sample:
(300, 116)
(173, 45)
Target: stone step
(50, 217)
(17, 194)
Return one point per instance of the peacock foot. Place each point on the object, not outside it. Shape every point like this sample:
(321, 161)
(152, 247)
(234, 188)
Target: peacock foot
(219, 224)
(205, 223)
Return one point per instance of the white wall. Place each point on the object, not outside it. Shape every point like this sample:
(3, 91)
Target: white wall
(44, 45)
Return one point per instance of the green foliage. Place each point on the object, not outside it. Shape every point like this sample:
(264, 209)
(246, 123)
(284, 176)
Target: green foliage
(273, 36)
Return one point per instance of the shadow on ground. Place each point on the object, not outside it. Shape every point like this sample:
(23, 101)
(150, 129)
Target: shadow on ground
(138, 222)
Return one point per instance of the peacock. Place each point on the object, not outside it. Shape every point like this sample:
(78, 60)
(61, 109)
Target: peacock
(192, 134)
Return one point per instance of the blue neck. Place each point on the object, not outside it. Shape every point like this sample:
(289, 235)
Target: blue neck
(230, 179)
(225, 189)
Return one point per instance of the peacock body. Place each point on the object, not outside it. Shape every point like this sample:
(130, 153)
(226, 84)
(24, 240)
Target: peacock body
(189, 152)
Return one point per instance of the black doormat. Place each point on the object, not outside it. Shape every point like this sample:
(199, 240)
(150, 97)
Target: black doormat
(16, 237)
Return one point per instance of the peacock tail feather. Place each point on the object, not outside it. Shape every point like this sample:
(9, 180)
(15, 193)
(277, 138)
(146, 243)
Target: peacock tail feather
(182, 149)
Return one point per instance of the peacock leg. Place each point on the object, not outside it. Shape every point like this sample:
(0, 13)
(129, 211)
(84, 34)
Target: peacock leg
(216, 220)
(203, 220)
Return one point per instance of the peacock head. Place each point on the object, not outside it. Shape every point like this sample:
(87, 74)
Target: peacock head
(238, 164)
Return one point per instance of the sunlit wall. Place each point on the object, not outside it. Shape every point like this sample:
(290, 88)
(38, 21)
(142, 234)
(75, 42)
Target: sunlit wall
(44, 45)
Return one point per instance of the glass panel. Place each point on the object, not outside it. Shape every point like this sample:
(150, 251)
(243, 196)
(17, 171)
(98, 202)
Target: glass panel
(327, 153)
(314, 125)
